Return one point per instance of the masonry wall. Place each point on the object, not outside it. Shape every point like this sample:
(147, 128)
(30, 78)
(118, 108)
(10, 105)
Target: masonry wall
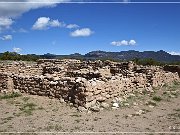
(3, 82)
(62, 88)
(82, 83)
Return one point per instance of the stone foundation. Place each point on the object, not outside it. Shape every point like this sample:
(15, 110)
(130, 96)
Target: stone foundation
(84, 84)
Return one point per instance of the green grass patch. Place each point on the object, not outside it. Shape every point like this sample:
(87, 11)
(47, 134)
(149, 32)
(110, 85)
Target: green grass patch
(157, 98)
(28, 108)
(175, 115)
(25, 99)
(75, 115)
(9, 96)
(57, 127)
(177, 110)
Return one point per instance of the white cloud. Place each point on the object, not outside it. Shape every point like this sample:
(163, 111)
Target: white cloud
(123, 43)
(41, 23)
(44, 23)
(10, 11)
(17, 50)
(132, 42)
(16, 9)
(174, 53)
(72, 26)
(5, 23)
(55, 23)
(84, 32)
(6, 37)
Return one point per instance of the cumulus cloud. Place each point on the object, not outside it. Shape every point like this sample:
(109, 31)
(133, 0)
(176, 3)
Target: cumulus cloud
(5, 23)
(132, 42)
(13, 10)
(174, 53)
(44, 23)
(123, 43)
(10, 11)
(84, 32)
(17, 50)
(6, 37)
(72, 26)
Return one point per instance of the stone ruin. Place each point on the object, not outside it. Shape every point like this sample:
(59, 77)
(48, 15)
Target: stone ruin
(85, 84)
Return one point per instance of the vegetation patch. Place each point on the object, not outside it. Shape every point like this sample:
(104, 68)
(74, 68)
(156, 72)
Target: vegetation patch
(28, 108)
(157, 98)
(75, 115)
(9, 96)
(25, 99)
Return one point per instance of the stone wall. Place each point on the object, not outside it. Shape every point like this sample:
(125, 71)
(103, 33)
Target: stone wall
(172, 68)
(85, 84)
(66, 89)
(3, 82)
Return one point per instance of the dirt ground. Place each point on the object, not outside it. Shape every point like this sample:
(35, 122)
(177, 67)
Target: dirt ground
(157, 113)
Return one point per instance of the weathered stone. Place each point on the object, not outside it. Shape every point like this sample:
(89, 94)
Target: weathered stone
(100, 98)
(115, 105)
(82, 109)
(95, 108)
(105, 105)
(87, 83)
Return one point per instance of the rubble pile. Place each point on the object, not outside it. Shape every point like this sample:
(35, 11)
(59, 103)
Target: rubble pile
(85, 84)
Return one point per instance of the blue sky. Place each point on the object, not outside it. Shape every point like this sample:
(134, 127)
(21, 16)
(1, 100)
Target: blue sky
(80, 28)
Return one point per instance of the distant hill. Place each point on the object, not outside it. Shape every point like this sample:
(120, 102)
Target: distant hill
(161, 55)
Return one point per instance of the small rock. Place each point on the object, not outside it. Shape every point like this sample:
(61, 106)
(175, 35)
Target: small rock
(130, 115)
(16, 91)
(151, 106)
(115, 108)
(93, 83)
(82, 109)
(78, 79)
(126, 104)
(100, 99)
(95, 108)
(56, 78)
(61, 100)
(105, 105)
(115, 105)
(135, 104)
(88, 105)
(108, 96)
(53, 83)
(140, 112)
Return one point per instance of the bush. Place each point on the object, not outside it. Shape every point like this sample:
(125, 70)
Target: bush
(15, 56)
(156, 98)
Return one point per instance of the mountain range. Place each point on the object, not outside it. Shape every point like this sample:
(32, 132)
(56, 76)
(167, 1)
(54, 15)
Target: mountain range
(161, 55)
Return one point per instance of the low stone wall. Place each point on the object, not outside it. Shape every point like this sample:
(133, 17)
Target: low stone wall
(62, 88)
(172, 68)
(21, 68)
(3, 82)
(89, 85)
